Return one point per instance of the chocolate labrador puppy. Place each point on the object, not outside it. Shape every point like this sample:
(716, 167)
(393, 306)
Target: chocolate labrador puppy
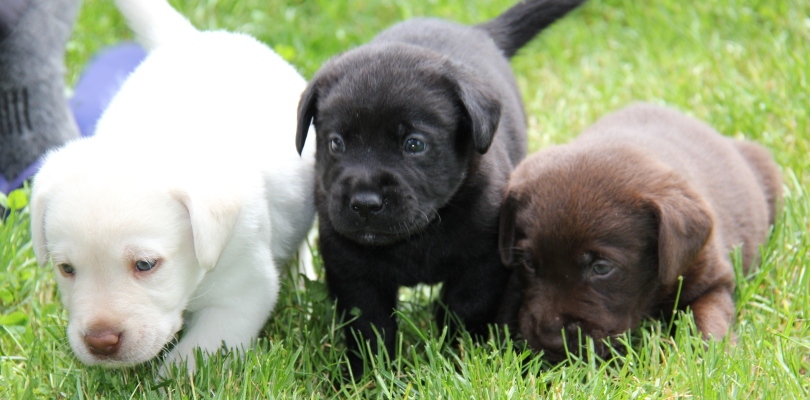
(417, 132)
(599, 230)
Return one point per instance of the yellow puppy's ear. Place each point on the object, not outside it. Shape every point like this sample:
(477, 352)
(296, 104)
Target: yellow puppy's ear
(213, 215)
(39, 203)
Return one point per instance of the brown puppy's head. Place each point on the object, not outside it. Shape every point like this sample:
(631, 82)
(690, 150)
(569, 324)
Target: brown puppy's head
(596, 238)
(397, 127)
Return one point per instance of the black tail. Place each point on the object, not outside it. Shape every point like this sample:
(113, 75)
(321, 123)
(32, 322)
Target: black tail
(519, 24)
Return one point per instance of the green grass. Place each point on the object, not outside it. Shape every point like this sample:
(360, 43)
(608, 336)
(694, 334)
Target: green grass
(742, 66)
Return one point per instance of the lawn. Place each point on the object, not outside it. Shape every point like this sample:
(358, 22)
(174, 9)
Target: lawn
(742, 66)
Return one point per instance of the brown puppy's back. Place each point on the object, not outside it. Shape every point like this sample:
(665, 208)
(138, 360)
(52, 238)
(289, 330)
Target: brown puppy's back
(768, 175)
(738, 179)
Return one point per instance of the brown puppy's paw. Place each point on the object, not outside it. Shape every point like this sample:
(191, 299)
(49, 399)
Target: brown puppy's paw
(714, 313)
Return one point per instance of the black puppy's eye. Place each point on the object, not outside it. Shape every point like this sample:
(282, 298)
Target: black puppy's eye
(67, 269)
(336, 144)
(602, 267)
(145, 265)
(415, 146)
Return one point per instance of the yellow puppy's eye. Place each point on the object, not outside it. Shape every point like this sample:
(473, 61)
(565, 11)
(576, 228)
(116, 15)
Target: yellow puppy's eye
(145, 265)
(67, 269)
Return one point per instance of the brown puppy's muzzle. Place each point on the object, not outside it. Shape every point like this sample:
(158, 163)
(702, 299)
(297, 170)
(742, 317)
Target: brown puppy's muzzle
(551, 334)
(557, 333)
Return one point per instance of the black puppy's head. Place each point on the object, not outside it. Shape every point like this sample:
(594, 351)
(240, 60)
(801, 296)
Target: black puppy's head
(595, 239)
(397, 129)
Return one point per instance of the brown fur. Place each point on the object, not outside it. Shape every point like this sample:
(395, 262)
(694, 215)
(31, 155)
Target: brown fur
(649, 195)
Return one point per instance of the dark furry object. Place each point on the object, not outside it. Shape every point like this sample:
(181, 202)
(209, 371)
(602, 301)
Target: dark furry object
(417, 133)
(599, 230)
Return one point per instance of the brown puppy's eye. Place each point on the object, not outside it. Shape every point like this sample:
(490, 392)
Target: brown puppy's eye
(602, 267)
(67, 269)
(145, 265)
(336, 144)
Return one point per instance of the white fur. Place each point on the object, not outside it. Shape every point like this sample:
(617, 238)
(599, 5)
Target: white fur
(193, 164)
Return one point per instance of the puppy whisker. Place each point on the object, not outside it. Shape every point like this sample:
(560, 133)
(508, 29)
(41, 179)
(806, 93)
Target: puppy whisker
(201, 294)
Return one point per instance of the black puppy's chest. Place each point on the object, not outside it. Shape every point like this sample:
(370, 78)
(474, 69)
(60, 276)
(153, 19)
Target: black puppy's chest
(462, 235)
(425, 258)
(429, 259)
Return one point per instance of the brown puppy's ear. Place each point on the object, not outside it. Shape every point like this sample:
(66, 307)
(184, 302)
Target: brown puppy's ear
(506, 234)
(482, 105)
(684, 226)
(307, 108)
(213, 214)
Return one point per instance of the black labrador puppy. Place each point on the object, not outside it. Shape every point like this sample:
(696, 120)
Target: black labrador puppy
(417, 133)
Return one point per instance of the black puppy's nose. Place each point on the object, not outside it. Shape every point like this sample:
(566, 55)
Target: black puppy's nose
(366, 203)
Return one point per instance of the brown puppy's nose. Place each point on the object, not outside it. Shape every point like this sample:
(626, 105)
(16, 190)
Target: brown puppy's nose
(366, 203)
(102, 343)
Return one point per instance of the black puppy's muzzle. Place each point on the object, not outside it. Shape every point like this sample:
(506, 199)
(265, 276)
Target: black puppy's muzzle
(377, 206)
(366, 203)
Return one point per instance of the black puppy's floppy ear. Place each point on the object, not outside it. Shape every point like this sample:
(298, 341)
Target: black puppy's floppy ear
(307, 108)
(482, 105)
(685, 225)
(506, 232)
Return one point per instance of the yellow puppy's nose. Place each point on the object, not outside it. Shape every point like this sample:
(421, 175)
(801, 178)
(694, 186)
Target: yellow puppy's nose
(102, 343)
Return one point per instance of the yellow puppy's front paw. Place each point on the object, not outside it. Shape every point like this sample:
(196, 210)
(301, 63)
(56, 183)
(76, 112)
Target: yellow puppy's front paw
(179, 358)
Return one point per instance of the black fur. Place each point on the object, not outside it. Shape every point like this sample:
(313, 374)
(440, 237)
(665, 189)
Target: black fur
(390, 217)
(518, 25)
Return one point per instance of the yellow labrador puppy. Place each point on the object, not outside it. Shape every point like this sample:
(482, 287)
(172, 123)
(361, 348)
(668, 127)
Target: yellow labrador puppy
(181, 207)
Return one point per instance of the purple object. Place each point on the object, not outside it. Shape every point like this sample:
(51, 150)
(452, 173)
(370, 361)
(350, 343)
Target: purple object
(98, 84)
(101, 81)
(7, 186)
